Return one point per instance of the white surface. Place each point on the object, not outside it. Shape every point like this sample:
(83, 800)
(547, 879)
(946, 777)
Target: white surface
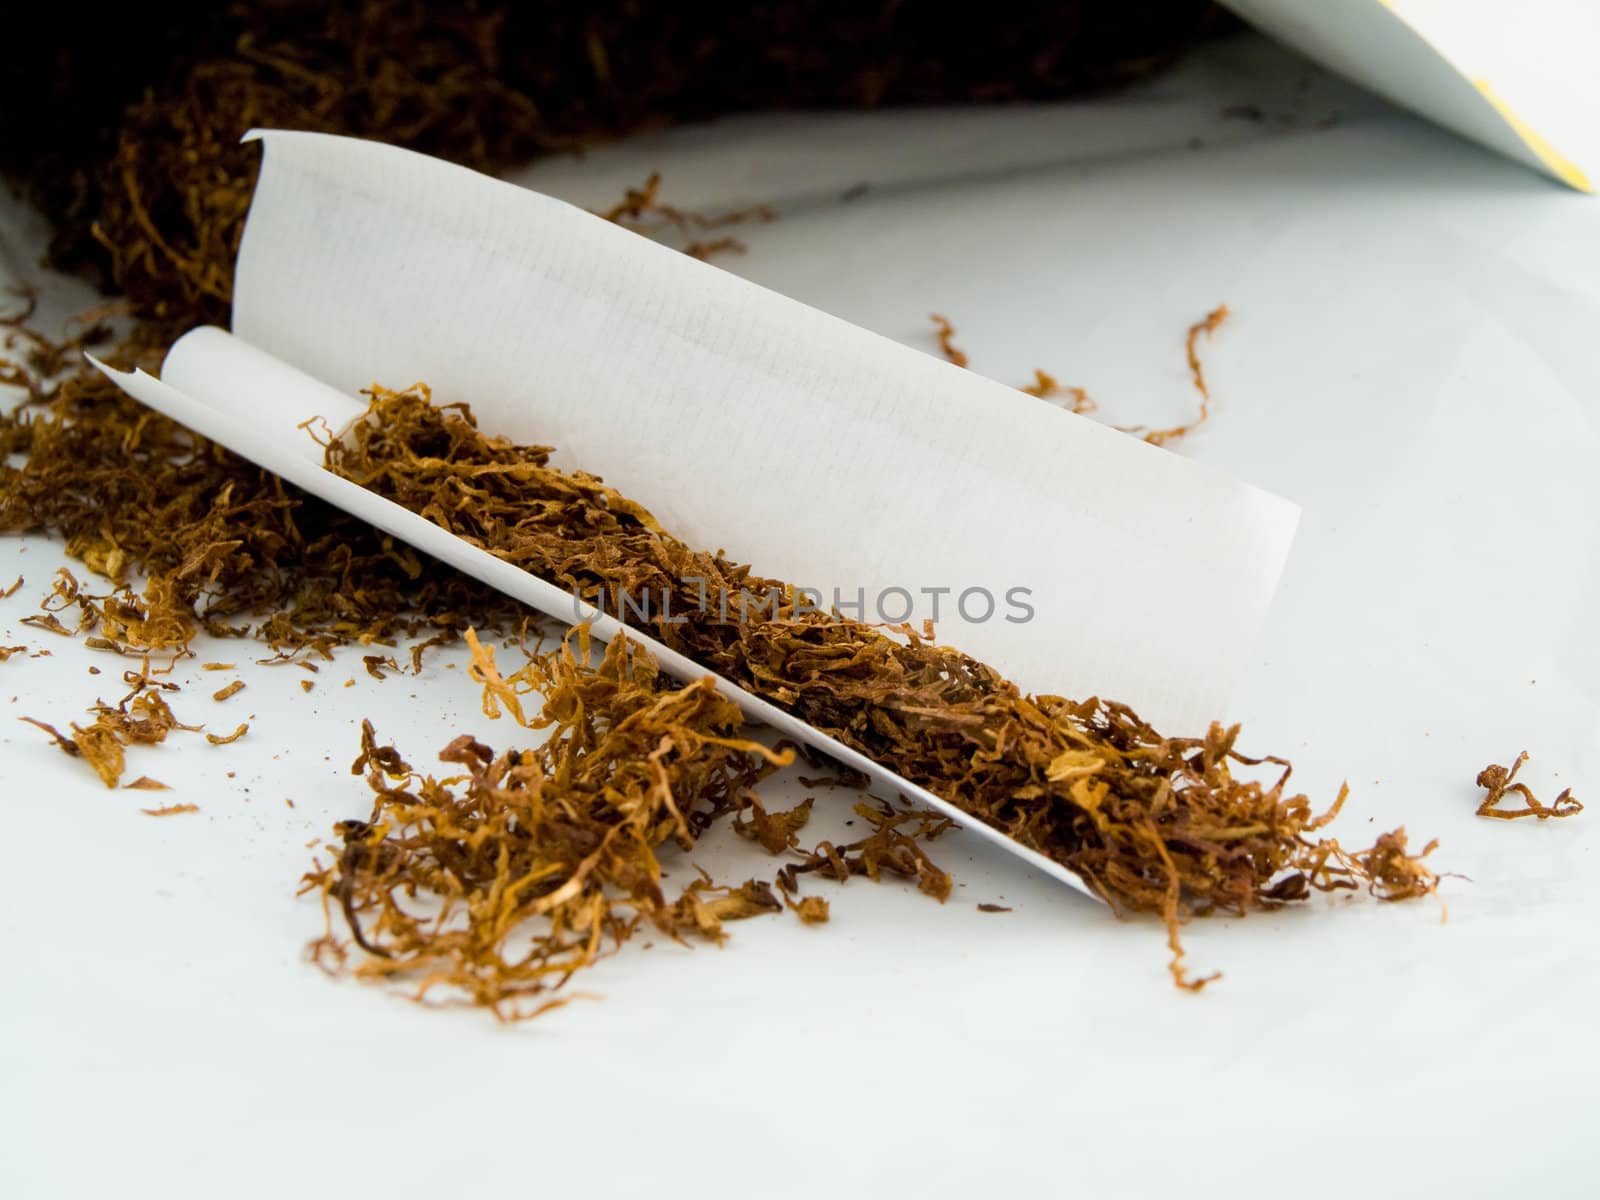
(1411, 359)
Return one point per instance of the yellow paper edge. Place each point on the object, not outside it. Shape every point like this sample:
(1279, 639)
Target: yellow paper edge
(1567, 170)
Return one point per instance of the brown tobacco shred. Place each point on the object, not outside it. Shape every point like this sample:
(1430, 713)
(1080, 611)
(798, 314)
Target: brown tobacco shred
(49, 622)
(7, 651)
(145, 784)
(68, 746)
(1151, 822)
(812, 910)
(12, 590)
(377, 664)
(890, 847)
(170, 810)
(711, 247)
(946, 333)
(1046, 386)
(773, 832)
(641, 210)
(141, 718)
(1393, 874)
(1207, 325)
(1499, 783)
(220, 740)
(232, 689)
(993, 908)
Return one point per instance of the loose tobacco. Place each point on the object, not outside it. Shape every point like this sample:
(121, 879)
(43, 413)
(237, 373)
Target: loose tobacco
(1207, 326)
(1498, 783)
(142, 717)
(1150, 822)
(170, 810)
(642, 211)
(1076, 399)
(501, 882)
(223, 547)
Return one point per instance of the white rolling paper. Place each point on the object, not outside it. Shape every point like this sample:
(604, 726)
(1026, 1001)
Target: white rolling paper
(818, 452)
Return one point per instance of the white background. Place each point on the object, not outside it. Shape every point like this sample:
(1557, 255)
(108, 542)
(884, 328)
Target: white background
(1412, 358)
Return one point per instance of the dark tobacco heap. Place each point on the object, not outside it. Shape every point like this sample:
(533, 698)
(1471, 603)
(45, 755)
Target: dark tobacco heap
(141, 172)
(127, 135)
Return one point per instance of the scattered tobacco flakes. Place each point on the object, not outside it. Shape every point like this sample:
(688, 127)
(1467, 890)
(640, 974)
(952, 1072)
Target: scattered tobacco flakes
(170, 810)
(1046, 387)
(525, 866)
(1498, 783)
(893, 846)
(377, 664)
(711, 247)
(773, 832)
(66, 744)
(705, 905)
(102, 749)
(812, 910)
(141, 718)
(642, 211)
(496, 885)
(1391, 873)
(1153, 823)
(1076, 399)
(49, 622)
(233, 689)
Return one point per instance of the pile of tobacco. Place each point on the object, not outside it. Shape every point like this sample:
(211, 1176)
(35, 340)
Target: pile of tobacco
(525, 864)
